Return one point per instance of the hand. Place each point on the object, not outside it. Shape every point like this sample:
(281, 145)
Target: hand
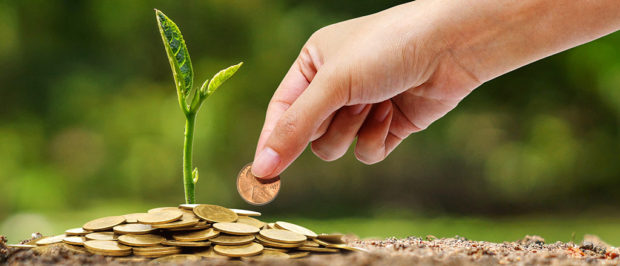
(384, 76)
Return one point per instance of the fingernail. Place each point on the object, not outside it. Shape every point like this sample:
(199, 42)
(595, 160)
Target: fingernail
(357, 109)
(265, 163)
(383, 112)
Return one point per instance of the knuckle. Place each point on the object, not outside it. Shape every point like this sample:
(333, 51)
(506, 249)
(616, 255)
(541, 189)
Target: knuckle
(324, 154)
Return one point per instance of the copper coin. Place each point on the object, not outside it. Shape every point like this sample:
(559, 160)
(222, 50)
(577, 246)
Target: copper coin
(256, 191)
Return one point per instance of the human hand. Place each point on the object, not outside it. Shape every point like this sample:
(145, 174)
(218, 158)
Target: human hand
(384, 76)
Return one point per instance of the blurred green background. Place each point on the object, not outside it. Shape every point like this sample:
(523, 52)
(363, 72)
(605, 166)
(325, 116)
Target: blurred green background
(90, 127)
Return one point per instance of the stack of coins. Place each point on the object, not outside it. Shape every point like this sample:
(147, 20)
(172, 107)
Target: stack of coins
(197, 231)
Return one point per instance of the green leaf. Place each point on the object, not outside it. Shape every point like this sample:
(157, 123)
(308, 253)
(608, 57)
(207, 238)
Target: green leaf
(195, 175)
(221, 77)
(178, 54)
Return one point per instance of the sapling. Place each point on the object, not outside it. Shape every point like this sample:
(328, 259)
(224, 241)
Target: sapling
(190, 99)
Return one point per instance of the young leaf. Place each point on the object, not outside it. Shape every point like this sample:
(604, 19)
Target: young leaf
(221, 77)
(177, 54)
(195, 175)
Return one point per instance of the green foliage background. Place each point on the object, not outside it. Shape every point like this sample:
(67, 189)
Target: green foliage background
(89, 120)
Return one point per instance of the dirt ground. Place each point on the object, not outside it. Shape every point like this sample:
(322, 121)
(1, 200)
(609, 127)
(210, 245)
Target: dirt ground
(391, 251)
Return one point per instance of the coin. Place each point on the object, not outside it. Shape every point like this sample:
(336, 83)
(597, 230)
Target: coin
(141, 240)
(133, 229)
(187, 243)
(332, 238)
(298, 254)
(20, 246)
(155, 248)
(77, 232)
(269, 243)
(160, 209)
(236, 228)
(250, 221)
(275, 249)
(74, 240)
(50, 240)
(241, 212)
(250, 249)
(161, 217)
(215, 214)
(345, 247)
(318, 249)
(177, 259)
(227, 240)
(105, 223)
(295, 228)
(196, 235)
(256, 191)
(310, 243)
(156, 251)
(107, 247)
(199, 226)
(187, 220)
(101, 236)
(76, 249)
(284, 236)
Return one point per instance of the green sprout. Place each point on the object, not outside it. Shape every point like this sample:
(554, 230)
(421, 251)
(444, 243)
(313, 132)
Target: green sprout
(190, 99)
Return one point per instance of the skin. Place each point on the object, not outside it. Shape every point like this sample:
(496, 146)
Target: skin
(381, 77)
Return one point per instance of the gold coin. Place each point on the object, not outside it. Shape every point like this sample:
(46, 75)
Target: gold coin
(215, 214)
(250, 221)
(318, 249)
(19, 246)
(269, 243)
(241, 212)
(188, 206)
(310, 243)
(321, 242)
(50, 240)
(133, 229)
(199, 226)
(345, 247)
(76, 249)
(250, 249)
(196, 235)
(187, 220)
(106, 246)
(155, 248)
(133, 217)
(332, 238)
(101, 236)
(228, 240)
(298, 254)
(155, 253)
(187, 243)
(103, 224)
(74, 240)
(296, 228)
(236, 228)
(141, 240)
(284, 236)
(209, 253)
(160, 217)
(160, 209)
(177, 259)
(270, 226)
(267, 255)
(77, 232)
(284, 250)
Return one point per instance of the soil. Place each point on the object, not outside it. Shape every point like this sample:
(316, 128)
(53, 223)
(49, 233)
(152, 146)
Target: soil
(391, 251)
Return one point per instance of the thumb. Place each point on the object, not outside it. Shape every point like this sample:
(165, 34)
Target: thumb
(293, 131)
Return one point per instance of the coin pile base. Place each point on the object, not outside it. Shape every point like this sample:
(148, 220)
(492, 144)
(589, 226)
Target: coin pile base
(193, 232)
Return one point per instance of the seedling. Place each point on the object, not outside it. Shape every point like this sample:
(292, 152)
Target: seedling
(190, 99)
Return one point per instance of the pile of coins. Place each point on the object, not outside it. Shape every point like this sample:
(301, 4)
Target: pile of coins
(197, 231)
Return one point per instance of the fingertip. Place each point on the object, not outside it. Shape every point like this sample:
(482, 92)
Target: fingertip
(265, 163)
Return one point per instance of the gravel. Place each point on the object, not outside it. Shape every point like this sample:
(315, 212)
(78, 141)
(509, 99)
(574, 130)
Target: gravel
(391, 251)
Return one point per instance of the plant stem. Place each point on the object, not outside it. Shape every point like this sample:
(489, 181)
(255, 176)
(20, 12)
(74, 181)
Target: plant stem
(190, 120)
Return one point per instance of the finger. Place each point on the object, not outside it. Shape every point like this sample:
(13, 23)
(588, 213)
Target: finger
(370, 147)
(292, 85)
(341, 132)
(323, 127)
(296, 126)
